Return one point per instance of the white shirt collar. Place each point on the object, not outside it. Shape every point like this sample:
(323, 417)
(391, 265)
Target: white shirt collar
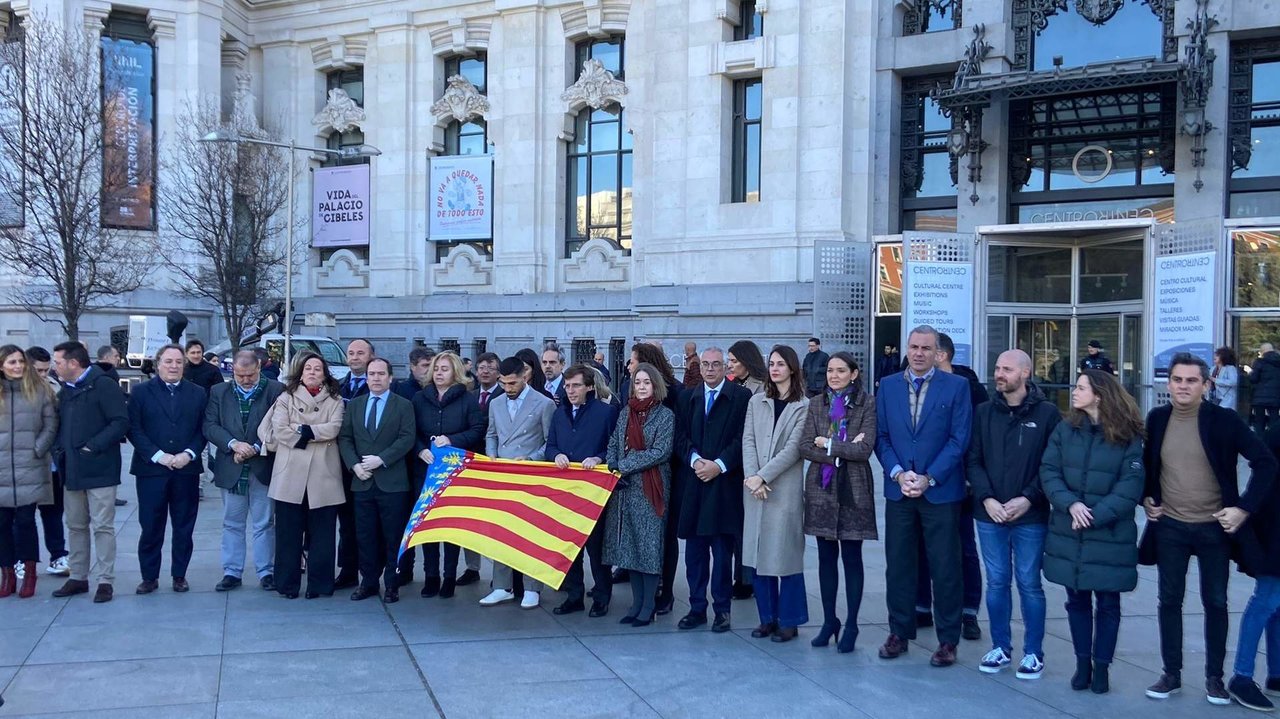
(715, 389)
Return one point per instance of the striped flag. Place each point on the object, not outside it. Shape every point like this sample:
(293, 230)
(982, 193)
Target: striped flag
(530, 516)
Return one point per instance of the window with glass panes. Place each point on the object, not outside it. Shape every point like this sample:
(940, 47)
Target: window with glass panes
(1255, 128)
(750, 21)
(747, 114)
(352, 81)
(928, 172)
(471, 137)
(599, 162)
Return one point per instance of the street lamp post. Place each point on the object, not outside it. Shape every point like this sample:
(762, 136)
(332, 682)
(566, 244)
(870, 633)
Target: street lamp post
(223, 135)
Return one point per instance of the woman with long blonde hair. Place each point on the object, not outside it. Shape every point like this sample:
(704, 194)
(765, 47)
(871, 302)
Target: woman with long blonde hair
(28, 427)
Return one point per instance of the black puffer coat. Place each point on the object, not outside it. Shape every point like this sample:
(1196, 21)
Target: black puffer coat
(1079, 465)
(457, 416)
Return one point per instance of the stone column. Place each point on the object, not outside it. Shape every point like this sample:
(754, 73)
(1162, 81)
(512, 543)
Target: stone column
(389, 90)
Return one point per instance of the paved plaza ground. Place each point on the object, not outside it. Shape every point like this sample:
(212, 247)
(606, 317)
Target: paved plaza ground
(250, 653)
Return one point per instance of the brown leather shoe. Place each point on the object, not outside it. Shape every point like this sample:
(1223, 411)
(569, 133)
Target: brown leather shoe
(894, 647)
(104, 594)
(148, 586)
(72, 587)
(180, 585)
(945, 656)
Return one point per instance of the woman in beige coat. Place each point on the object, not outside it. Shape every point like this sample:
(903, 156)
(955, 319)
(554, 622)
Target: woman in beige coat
(773, 498)
(306, 481)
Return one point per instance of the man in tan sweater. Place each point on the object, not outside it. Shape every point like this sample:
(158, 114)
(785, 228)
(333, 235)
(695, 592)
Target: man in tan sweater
(1194, 504)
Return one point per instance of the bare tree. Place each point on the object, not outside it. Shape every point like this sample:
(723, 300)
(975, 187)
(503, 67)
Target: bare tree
(52, 104)
(225, 241)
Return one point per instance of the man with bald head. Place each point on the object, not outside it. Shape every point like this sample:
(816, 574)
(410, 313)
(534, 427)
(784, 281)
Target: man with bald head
(1010, 434)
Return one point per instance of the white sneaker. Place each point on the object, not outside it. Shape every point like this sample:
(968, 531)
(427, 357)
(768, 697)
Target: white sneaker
(58, 568)
(1031, 667)
(994, 661)
(496, 597)
(530, 601)
(19, 570)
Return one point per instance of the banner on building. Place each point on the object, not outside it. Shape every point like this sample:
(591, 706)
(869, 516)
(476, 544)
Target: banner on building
(12, 177)
(940, 294)
(460, 204)
(1184, 308)
(128, 133)
(340, 206)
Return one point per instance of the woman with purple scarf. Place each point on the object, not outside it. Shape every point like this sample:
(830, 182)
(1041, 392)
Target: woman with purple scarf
(839, 501)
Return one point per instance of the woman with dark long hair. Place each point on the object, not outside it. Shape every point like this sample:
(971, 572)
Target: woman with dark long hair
(537, 378)
(1092, 475)
(306, 479)
(773, 498)
(839, 498)
(28, 427)
(746, 364)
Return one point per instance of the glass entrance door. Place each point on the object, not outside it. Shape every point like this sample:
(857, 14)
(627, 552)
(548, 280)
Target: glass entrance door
(1058, 344)
(1047, 340)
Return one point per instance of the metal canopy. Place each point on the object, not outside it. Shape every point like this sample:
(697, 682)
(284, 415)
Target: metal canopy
(982, 90)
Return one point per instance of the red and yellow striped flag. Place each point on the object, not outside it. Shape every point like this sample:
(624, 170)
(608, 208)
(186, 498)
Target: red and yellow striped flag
(530, 516)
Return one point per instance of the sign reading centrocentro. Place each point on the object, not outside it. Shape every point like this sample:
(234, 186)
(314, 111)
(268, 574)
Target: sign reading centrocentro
(340, 206)
(461, 200)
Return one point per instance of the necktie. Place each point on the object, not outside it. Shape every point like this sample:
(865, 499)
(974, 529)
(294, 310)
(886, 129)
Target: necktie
(484, 399)
(371, 421)
(711, 399)
(575, 413)
(355, 385)
(918, 382)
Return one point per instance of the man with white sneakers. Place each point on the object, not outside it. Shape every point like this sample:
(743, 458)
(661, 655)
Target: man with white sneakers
(519, 421)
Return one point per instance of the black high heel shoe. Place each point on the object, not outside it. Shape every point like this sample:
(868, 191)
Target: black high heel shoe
(637, 622)
(627, 620)
(826, 634)
(848, 639)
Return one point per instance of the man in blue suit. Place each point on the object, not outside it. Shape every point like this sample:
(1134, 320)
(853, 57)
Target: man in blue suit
(923, 419)
(166, 428)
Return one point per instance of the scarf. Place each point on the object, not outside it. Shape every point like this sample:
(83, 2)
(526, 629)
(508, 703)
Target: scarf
(313, 392)
(241, 488)
(652, 478)
(838, 427)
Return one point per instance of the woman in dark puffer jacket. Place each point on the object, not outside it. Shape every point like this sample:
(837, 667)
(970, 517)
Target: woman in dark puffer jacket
(1092, 475)
(448, 415)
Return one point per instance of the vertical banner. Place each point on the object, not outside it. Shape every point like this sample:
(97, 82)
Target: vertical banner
(128, 139)
(12, 177)
(1184, 308)
(461, 200)
(340, 206)
(940, 294)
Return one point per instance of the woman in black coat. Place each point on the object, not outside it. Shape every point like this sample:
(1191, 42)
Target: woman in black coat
(1092, 475)
(1258, 543)
(447, 415)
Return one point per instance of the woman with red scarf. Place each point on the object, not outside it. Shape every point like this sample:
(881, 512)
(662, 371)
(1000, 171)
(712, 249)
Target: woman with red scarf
(839, 500)
(640, 453)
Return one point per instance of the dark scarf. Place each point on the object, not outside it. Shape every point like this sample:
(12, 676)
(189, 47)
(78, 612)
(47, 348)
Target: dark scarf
(652, 478)
(838, 427)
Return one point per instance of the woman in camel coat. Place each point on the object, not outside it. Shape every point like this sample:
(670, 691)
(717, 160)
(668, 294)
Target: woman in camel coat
(306, 481)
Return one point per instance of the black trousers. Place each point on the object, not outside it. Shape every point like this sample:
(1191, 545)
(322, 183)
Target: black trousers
(1262, 417)
(18, 539)
(348, 543)
(906, 522)
(55, 538)
(380, 520)
(292, 522)
(970, 567)
(1176, 543)
(417, 475)
(670, 541)
(176, 498)
(575, 584)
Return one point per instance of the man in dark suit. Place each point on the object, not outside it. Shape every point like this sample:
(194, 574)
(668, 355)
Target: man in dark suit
(923, 419)
(359, 352)
(241, 471)
(580, 431)
(553, 367)
(709, 440)
(377, 432)
(92, 420)
(166, 428)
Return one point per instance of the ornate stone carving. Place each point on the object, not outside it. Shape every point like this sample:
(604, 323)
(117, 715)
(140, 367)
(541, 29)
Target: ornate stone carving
(918, 13)
(342, 271)
(1098, 11)
(460, 36)
(597, 262)
(595, 18)
(596, 88)
(461, 101)
(340, 113)
(244, 114)
(463, 267)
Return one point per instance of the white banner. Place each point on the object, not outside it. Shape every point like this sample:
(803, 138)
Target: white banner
(940, 294)
(460, 203)
(340, 206)
(1184, 308)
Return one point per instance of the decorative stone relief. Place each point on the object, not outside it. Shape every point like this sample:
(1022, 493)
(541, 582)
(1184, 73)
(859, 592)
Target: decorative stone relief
(596, 88)
(461, 101)
(742, 58)
(342, 271)
(339, 114)
(339, 53)
(244, 114)
(595, 18)
(460, 36)
(597, 262)
(462, 267)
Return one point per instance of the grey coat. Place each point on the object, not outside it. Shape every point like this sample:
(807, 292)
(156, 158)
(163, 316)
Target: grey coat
(27, 431)
(526, 436)
(633, 531)
(773, 529)
(845, 509)
(222, 425)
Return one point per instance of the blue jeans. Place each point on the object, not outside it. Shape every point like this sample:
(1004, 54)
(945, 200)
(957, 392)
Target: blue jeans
(1014, 553)
(787, 606)
(1262, 615)
(237, 511)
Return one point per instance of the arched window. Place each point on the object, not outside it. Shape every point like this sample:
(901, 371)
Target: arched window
(599, 162)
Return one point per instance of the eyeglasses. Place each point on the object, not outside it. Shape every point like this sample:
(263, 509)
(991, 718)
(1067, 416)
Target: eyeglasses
(712, 365)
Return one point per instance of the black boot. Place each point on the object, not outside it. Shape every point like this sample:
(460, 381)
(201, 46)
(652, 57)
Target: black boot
(1084, 674)
(830, 629)
(1101, 678)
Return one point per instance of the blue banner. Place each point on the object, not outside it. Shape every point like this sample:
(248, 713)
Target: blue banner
(128, 127)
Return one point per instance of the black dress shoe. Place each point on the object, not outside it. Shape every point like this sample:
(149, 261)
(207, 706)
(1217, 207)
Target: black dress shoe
(121, 502)
(447, 587)
(569, 607)
(470, 576)
(180, 585)
(764, 630)
(969, 628)
(313, 594)
(147, 586)
(430, 587)
(743, 591)
(289, 595)
(227, 584)
(71, 588)
(691, 620)
(721, 624)
(345, 580)
(391, 597)
(361, 593)
(268, 583)
(666, 605)
(598, 610)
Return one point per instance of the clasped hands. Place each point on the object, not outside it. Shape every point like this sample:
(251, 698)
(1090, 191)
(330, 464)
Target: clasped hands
(1005, 512)
(174, 461)
(706, 470)
(364, 470)
(1230, 518)
(243, 452)
(913, 484)
(756, 485)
